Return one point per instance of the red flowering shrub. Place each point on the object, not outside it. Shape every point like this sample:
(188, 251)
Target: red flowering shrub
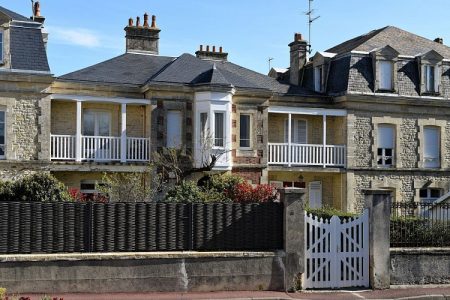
(77, 196)
(246, 193)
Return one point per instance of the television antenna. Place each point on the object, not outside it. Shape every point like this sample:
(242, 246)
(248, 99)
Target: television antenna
(311, 19)
(270, 60)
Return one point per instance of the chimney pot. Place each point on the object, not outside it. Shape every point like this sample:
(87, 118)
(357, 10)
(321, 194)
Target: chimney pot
(153, 21)
(207, 48)
(201, 47)
(37, 9)
(439, 40)
(146, 20)
(220, 49)
(130, 22)
(214, 49)
(138, 22)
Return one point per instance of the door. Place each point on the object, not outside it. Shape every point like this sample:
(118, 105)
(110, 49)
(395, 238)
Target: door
(336, 252)
(173, 129)
(315, 194)
(96, 134)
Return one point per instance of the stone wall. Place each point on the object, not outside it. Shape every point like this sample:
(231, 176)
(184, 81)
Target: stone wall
(125, 272)
(420, 266)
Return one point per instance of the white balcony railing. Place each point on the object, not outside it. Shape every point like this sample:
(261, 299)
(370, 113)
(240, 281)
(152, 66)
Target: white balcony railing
(306, 155)
(99, 148)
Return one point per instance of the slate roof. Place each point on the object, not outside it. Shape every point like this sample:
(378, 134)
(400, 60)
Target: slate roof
(13, 16)
(139, 69)
(406, 43)
(28, 50)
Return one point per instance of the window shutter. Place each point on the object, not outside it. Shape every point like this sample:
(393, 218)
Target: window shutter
(385, 136)
(301, 133)
(437, 78)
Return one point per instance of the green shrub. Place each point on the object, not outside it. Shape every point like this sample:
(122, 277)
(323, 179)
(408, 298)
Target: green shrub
(328, 212)
(223, 182)
(40, 187)
(419, 231)
(186, 192)
(2, 293)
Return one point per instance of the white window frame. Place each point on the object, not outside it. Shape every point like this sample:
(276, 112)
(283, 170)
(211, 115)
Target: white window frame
(3, 110)
(432, 162)
(383, 155)
(294, 130)
(250, 127)
(215, 146)
(428, 198)
(382, 79)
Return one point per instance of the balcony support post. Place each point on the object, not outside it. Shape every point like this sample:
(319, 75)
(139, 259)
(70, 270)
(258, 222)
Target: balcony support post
(78, 133)
(289, 158)
(324, 119)
(123, 135)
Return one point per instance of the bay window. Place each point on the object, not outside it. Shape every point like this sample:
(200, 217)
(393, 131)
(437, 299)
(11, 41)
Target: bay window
(219, 129)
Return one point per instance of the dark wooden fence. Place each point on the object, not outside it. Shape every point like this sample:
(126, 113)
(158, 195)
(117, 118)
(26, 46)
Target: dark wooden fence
(34, 227)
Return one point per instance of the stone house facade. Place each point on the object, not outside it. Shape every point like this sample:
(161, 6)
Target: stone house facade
(368, 113)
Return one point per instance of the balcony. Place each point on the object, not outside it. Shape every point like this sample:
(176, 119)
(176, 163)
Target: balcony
(307, 137)
(100, 148)
(306, 155)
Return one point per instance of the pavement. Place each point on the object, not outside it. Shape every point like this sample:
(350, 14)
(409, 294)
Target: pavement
(427, 292)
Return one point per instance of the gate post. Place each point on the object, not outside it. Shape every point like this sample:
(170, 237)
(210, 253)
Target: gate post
(379, 204)
(293, 237)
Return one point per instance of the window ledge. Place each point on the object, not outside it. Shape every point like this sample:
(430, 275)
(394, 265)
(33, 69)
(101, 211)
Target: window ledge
(386, 91)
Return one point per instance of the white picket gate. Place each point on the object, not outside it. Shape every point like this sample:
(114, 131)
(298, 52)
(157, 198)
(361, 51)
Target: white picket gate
(337, 252)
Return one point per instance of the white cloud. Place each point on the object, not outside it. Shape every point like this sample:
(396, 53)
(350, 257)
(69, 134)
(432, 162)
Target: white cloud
(75, 36)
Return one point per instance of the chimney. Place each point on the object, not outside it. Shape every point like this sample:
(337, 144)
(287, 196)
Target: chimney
(37, 13)
(298, 51)
(211, 55)
(439, 40)
(142, 39)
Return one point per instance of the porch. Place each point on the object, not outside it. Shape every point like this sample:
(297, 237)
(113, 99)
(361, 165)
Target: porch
(307, 137)
(99, 129)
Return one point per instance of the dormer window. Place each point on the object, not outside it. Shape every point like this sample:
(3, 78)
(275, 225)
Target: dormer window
(430, 65)
(384, 62)
(321, 64)
(386, 74)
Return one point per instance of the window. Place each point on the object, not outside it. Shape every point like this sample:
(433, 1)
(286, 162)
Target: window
(298, 131)
(385, 149)
(2, 134)
(173, 129)
(203, 126)
(429, 195)
(429, 78)
(96, 123)
(219, 129)
(318, 79)
(386, 68)
(1, 47)
(244, 126)
(431, 147)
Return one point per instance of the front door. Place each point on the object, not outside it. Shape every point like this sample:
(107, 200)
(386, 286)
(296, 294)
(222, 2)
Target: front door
(315, 194)
(96, 132)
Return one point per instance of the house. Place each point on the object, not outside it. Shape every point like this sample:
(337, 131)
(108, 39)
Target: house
(24, 80)
(368, 113)
(394, 87)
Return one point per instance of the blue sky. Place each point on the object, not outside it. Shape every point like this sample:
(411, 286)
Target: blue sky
(83, 32)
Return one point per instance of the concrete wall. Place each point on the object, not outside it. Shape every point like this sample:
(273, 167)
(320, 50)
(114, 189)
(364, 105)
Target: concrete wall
(420, 266)
(142, 272)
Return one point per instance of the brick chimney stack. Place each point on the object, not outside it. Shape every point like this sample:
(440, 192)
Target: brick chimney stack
(37, 13)
(298, 51)
(142, 38)
(211, 55)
